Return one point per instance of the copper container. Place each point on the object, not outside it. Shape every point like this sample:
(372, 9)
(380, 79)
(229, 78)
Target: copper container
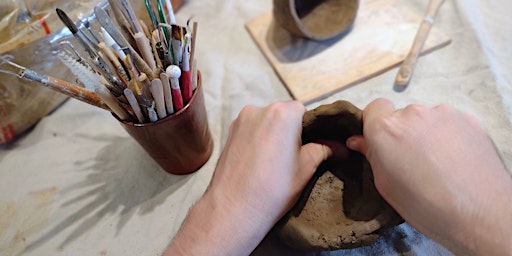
(180, 143)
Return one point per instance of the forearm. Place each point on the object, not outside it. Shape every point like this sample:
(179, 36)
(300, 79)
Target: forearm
(448, 181)
(479, 221)
(216, 227)
(489, 231)
(259, 175)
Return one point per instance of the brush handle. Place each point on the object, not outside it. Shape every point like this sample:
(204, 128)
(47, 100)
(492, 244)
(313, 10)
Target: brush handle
(170, 9)
(177, 99)
(134, 104)
(69, 89)
(108, 25)
(406, 69)
(153, 116)
(177, 50)
(167, 93)
(186, 86)
(157, 91)
(111, 102)
(145, 49)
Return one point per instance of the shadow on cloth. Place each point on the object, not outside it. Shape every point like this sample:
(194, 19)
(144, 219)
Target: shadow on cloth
(121, 180)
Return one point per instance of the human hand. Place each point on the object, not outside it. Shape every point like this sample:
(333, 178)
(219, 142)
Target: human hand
(259, 176)
(263, 164)
(439, 169)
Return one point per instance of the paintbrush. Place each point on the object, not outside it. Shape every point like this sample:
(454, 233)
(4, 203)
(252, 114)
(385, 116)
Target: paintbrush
(72, 90)
(186, 84)
(173, 73)
(176, 44)
(167, 93)
(124, 25)
(192, 57)
(94, 82)
(170, 9)
(108, 25)
(134, 104)
(75, 32)
(114, 84)
(404, 74)
(161, 14)
(141, 40)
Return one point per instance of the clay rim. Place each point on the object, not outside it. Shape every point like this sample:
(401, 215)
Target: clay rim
(367, 228)
(323, 36)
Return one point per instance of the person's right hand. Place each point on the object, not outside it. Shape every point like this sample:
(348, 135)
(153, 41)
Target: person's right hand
(439, 170)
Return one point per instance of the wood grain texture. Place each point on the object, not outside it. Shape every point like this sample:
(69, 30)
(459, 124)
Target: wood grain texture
(311, 70)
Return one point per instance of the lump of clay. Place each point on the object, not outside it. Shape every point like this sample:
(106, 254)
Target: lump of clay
(340, 208)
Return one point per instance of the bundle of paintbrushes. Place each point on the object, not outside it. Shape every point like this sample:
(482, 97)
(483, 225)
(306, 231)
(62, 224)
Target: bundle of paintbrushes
(141, 72)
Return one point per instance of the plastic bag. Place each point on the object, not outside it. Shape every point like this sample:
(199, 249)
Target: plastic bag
(27, 30)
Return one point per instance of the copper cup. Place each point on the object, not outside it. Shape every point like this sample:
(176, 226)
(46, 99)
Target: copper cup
(180, 143)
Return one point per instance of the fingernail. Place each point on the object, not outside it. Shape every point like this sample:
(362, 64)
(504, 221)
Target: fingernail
(352, 143)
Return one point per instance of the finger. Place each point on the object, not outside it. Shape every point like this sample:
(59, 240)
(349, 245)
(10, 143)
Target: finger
(357, 143)
(338, 149)
(377, 108)
(290, 111)
(313, 154)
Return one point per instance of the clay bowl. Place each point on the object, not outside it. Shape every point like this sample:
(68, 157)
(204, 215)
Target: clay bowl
(340, 207)
(315, 19)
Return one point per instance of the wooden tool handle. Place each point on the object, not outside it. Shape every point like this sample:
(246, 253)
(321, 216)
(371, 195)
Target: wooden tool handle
(76, 92)
(406, 69)
(72, 90)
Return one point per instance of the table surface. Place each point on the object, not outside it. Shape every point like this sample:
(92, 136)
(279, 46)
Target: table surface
(78, 184)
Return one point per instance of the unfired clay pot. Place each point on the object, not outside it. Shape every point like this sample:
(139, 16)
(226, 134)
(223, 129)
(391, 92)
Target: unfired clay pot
(315, 19)
(340, 208)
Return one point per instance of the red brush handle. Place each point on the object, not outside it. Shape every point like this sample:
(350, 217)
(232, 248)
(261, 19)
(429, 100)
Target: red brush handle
(186, 85)
(177, 100)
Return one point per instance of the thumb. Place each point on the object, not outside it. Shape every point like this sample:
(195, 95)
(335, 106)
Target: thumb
(313, 154)
(357, 143)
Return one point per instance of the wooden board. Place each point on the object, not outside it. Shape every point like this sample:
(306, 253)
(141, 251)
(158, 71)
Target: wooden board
(379, 40)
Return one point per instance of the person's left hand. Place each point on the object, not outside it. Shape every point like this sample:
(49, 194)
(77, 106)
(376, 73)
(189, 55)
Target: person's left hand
(259, 176)
(263, 167)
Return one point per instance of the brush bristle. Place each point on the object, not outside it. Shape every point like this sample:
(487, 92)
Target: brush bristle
(177, 32)
(67, 21)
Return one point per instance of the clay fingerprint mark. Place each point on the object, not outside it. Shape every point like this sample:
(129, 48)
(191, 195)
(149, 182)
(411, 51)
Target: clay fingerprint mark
(22, 222)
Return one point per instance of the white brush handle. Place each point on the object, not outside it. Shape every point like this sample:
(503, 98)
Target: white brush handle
(158, 95)
(153, 116)
(406, 69)
(111, 102)
(171, 12)
(167, 93)
(134, 104)
(145, 49)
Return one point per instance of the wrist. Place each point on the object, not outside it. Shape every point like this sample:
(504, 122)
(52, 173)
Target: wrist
(215, 226)
(486, 228)
(495, 226)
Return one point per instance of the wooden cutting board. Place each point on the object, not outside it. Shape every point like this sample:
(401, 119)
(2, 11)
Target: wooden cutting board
(379, 40)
